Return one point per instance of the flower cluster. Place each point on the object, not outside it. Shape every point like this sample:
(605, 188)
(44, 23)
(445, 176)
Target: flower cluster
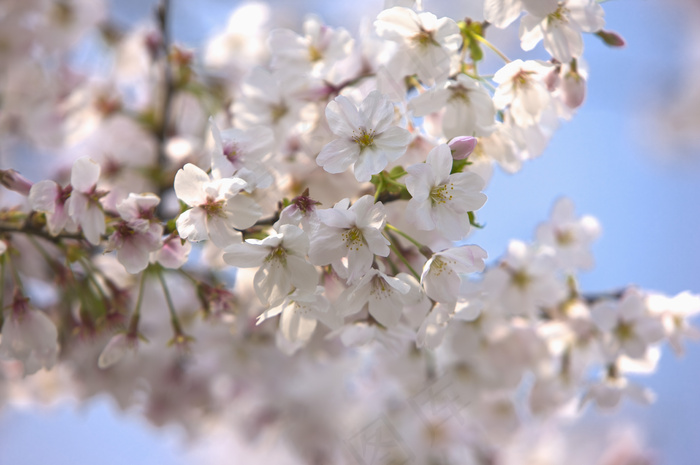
(290, 218)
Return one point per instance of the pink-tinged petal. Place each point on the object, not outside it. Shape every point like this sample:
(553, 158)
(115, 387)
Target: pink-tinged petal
(295, 240)
(43, 196)
(295, 327)
(272, 283)
(245, 255)
(432, 332)
(242, 211)
(540, 8)
(343, 117)
(385, 307)
(326, 246)
(440, 161)
(429, 102)
(588, 15)
(393, 142)
(338, 155)
(501, 13)
(377, 243)
(189, 185)
(58, 220)
(370, 161)
(174, 253)
(191, 225)
(562, 41)
(468, 258)
(359, 261)
(84, 175)
(420, 213)
(605, 316)
(303, 275)
(376, 112)
(419, 181)
(221, 231)
(133, 257)
(440, 282)
(93, 224)
(397, 23)
(77, 205)
(453, 225)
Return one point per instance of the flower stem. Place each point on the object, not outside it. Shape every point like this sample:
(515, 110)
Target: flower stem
(136, 316)
(174, 321)
(403, 234)
(492, 47)
(402, 258)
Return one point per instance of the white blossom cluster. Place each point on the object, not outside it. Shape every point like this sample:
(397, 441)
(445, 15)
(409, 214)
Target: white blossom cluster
(289, 211)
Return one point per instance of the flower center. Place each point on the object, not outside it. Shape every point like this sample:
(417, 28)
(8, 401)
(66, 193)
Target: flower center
(564, 237)
(440, 266)
(364, 139)
(624, 331)
(353, 238)
(424, 38)
(231, 152)
(278, 111)
(213, 207)
(560, 15)
(441, 194)
(278, 254)
(314, 54)
(520, 279)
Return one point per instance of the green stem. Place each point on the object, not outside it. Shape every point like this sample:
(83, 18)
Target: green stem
(403, 234)
(174, 321)
(492, 47)
(403, 259)
(134, 322)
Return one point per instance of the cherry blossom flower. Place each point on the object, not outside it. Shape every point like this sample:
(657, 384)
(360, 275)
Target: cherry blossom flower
(367, 140)
(282, 261)
(49, 198)
(469, 109)
(502, 13)
(441, 200)
(299, 314)
(629, 327)
(173, 253)
(561, 27)
(568, 236)
(242, 153)
(526, 280)
(84, 202)
(349, 231)
(317, 50)
(218, 206)
(522, 88)
(427, 44)
(29, 336)
(137, 235)
(385, 297)
(441, 273)
(675, 312)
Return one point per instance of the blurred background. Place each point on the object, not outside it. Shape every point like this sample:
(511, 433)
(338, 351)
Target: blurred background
(630, 157)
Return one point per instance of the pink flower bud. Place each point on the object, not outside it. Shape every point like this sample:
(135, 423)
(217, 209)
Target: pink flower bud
(573, 88)
(14, 181)
(611, 39)
(462, 147)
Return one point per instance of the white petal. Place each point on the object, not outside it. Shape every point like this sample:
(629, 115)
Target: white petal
(84, 175)
(189, 185)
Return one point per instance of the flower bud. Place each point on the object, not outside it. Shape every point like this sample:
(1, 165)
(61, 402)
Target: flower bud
(14, 181)
(573, 87)
(462, 147)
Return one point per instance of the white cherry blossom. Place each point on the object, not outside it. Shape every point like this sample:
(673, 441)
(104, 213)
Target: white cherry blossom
(349, 231)
(441, 273)
(427, 45)
(367, 140)
(523, 88)
(282, 260)
(84, 203)
(441, 200)
(469, 109)
(385, 297)
(561, 28)
(218, 206)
